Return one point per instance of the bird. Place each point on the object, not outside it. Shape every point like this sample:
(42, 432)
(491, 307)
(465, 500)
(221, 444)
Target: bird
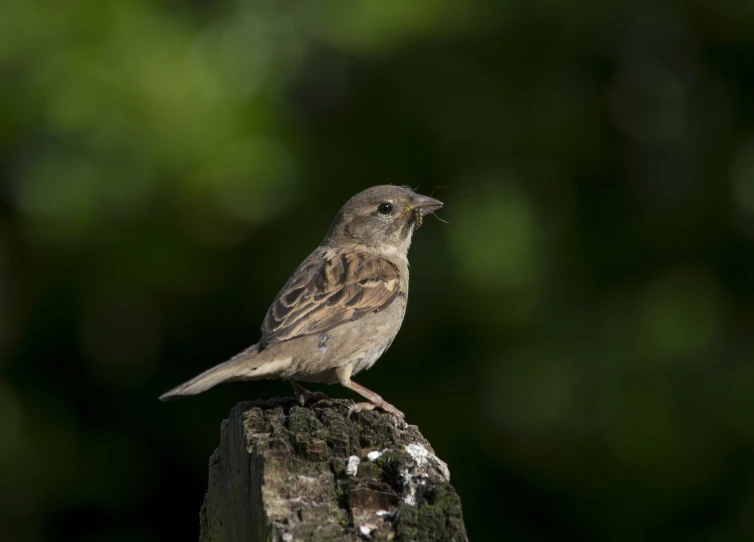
(341, 308)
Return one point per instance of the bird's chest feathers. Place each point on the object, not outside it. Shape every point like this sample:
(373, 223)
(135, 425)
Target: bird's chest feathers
(384, 328)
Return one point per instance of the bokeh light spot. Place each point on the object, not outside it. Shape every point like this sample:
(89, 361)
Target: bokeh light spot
(508, 254)
(648, 103)
(681, 315)
(532, 390)
(375, 25)
(252, 179)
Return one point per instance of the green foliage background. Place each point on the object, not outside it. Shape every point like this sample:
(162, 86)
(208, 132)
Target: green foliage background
(586, 367)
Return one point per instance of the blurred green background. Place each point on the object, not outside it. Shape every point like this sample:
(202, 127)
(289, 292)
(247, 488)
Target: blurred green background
(586, 368)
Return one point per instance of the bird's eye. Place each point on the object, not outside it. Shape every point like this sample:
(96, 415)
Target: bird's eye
(385, 208)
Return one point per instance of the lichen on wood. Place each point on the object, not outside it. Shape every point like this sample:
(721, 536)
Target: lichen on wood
(287, 473)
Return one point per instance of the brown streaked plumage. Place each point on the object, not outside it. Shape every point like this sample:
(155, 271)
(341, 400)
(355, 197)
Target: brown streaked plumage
(342, 288)
(342, 307)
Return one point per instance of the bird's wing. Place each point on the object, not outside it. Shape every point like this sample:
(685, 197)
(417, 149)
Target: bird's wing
(326, 292)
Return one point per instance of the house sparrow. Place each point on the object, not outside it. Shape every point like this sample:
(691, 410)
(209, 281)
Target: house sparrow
(341, 308)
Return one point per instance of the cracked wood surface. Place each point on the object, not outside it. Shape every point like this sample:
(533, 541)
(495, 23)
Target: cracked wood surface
(288, 473)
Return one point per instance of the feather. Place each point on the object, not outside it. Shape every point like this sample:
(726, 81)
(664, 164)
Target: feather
(247, 365)
(329, 290)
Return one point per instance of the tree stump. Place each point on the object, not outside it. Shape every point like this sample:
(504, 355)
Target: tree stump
(286, 473)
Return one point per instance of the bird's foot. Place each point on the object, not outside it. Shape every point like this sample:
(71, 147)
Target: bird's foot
(306, 397)
(387, 407)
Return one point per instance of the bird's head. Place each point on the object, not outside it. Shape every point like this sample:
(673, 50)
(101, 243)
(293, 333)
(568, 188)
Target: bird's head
(383, 217)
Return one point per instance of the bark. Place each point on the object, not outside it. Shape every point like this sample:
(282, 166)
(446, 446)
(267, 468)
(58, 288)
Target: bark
(287, 473)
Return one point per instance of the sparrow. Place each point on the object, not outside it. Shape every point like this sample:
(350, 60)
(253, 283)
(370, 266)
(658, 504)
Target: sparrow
(341, 308)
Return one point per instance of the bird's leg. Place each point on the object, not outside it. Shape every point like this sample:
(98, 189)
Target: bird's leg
(375, 401)
(305, 396)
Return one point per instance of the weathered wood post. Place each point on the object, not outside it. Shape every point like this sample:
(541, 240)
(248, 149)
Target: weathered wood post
(288, 473)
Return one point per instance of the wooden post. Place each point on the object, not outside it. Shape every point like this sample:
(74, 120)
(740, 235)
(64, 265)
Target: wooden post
(289, 473)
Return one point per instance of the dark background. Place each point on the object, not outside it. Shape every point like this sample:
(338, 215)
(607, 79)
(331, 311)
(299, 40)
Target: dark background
(586, 367)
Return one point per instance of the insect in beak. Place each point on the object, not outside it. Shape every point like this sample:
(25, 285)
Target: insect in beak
(418, 218)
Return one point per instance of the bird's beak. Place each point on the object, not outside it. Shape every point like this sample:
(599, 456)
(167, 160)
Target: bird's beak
(425, 204)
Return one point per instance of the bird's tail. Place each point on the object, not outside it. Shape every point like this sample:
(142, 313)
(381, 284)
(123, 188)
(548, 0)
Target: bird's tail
(243, 366)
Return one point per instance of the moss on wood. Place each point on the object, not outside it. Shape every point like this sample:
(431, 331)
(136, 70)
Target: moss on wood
(289, 473)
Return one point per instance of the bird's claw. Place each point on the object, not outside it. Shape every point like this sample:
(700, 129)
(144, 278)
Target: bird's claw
(310, 397)
(362, 407)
